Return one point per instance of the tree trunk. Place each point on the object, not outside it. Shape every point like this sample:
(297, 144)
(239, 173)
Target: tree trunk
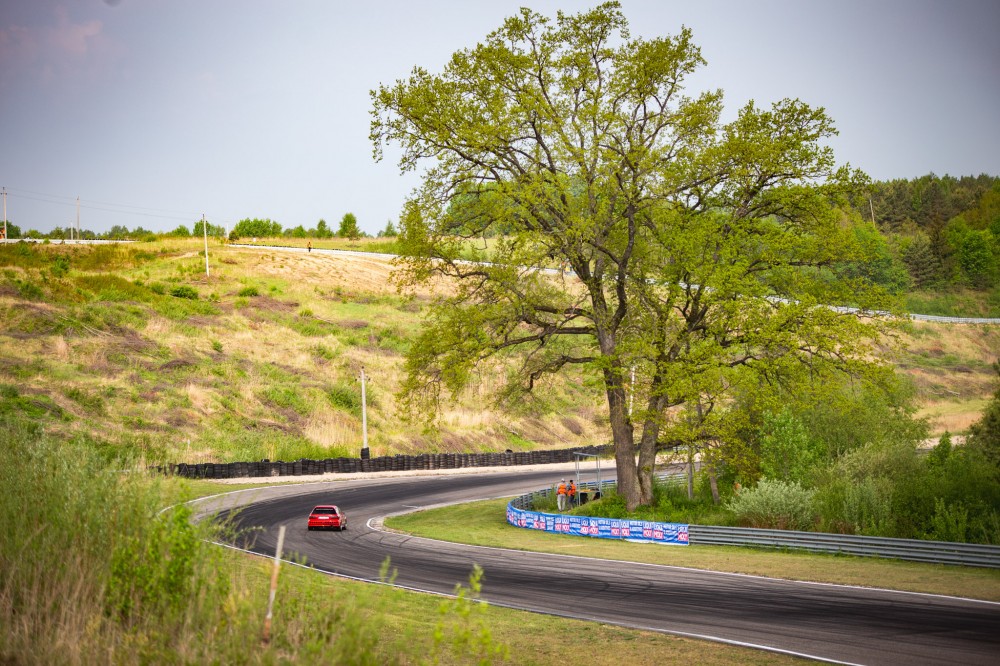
(647, 458)
(622, 436)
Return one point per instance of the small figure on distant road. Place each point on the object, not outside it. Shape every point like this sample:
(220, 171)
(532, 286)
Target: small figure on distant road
(309, 246)
(561, 495)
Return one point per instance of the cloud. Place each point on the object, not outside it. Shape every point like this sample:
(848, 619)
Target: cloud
(56, 47)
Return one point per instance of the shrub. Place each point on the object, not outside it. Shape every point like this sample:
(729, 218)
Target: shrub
(184, 291)
(787, 452)
(856, 507)
(774, 504)
(286, 397)
(247, 292)
(324, 352)
(345, 397)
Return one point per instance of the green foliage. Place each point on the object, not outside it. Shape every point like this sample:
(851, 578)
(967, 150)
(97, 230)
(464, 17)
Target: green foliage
(677, 271)
(787, 452)
(977, 256)
(389, 231)
(28, 290)
(113, 288)
(255, 228)
(984, 434)
(323, 229)
(60, 266)
(862, 506)
(344, 396)
(955, 302)
(774, 504)
(184, 291)
(876, 263)
(930, 201)
(939, 455)
(923, 265)
(12, 402)
(215, 231)
(249, 292)
(92, 403)
(92, 570)
(324, 352)
(462, 626)
(844, 415)
(349, 227)
(286, 397)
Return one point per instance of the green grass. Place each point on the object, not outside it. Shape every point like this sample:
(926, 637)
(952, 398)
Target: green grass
(955, 303)
(484, 524)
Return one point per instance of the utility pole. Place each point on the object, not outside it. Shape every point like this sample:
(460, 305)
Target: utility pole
(204, 228)
(78, 218)
(872, 208)
(364, 417)
(5, 213)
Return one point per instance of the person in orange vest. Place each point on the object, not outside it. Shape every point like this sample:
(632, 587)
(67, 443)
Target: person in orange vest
(571, 493)
(561, 495)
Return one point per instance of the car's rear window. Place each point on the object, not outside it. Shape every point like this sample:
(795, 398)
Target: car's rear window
(324, 509)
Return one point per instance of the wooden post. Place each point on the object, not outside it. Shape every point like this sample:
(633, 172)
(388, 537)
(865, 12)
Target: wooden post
(274, 585)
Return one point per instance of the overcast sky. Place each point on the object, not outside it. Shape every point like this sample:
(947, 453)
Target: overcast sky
(153, 112)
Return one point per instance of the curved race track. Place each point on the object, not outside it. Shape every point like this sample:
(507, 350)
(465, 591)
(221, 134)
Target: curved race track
(830, 622)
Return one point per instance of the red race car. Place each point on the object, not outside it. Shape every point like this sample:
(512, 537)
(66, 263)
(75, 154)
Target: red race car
(327, 517)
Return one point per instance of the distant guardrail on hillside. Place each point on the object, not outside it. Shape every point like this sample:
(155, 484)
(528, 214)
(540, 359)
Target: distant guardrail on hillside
(360, 253)
(954, 320)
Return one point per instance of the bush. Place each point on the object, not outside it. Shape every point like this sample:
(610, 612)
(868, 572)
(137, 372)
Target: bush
(856, 507)
(774, 504)
(247, 292)
(345, 397)
(184, 291)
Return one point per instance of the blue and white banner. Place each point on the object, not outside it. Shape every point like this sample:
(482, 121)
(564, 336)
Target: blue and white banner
(602, 528)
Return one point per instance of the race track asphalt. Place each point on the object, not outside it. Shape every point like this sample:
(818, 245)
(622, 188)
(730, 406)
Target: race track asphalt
(830, 622)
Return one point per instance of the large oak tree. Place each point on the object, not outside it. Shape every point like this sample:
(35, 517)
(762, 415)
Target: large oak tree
(701, 256)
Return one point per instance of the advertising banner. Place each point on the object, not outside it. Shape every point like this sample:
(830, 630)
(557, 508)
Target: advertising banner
(602, 528)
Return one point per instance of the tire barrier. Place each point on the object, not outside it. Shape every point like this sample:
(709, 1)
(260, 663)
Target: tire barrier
(397, 463)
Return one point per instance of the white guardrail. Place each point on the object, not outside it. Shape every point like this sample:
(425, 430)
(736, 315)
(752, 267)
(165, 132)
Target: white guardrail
(382, 255)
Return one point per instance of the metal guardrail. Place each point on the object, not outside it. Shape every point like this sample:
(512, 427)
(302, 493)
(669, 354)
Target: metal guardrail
(917, 550)
(913, 550)
(954, 320)
(919, 317)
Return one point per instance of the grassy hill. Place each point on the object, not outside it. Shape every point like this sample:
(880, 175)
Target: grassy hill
(132, 349)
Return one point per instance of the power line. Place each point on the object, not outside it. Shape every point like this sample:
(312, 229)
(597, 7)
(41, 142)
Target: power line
(121, 209)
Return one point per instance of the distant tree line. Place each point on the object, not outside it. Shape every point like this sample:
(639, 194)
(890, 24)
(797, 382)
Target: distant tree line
(267, 228)
(937, 232)
(245, 228)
